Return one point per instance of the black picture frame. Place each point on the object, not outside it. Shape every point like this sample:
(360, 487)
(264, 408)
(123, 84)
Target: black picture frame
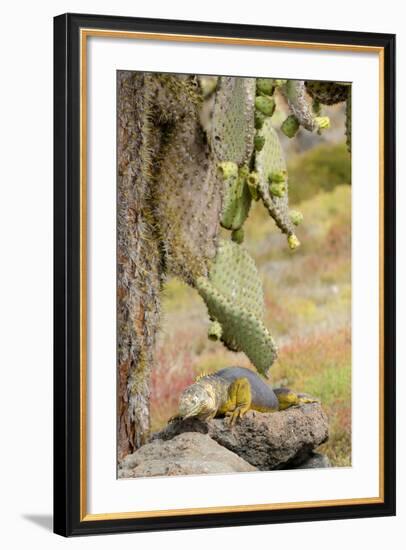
(67, 390)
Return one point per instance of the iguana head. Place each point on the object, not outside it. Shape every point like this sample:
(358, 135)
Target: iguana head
(196, 400)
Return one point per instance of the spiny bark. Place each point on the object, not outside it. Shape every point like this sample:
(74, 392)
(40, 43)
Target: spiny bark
(138, 262)
(169, 202)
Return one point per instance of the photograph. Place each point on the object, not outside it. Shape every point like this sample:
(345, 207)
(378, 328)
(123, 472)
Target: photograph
(224, 267)
(233, 274)
(200, 249)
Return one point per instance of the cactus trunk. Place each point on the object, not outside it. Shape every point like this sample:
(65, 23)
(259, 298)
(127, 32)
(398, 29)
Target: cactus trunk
(138, 263)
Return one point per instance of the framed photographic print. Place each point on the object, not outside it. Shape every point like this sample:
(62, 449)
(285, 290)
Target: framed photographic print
(224, 274)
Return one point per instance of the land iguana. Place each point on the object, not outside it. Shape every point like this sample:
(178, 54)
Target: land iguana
(233, 391)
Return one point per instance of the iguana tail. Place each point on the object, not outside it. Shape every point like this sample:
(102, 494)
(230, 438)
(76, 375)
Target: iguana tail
(288, 398)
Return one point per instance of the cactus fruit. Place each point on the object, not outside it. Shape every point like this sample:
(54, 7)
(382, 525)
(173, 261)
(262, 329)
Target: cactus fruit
(234, 299)
(290, 126)
(279, 83)
(327, 93)
(296, 217)
(293, 242)
(232, 136)
(277, 177)
(265, 105)
(265, 86)
(270, 164)
(278, 189)
(252, 182)
(228, 170)
(322, 122)
(215, 331)
(237, 235)
(259, 120)
(259, 142)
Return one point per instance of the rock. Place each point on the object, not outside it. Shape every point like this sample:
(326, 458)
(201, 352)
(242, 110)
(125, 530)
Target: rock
(268, 441)
(315, 460)
(187, 453)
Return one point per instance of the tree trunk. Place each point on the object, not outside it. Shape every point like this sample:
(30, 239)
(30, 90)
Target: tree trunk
(169, 203)
(138, 263)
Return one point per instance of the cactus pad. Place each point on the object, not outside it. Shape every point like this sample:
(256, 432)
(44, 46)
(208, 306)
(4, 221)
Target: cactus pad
(327, 93)
(234, 298)
(270, 162)
(233, 120)
(187, 189)
(237, 197)
(294, 91)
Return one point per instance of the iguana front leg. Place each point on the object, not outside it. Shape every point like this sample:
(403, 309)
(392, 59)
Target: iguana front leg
(239, 400)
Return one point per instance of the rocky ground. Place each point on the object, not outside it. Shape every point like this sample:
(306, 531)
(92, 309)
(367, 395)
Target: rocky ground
(259, 441)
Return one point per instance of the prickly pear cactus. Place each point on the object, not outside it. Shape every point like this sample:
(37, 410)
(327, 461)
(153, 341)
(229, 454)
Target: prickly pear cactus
(139, 273)
(303, 113)
(187, 190)
(232, 141)
(234, 298)
(237, 197)
(327, 93)
(233, 120)
(169, 203)
(270, 166)
(179, 180)
(294, 91)
(331, 93)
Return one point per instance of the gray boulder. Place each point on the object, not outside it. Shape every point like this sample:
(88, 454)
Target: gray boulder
(187, 453)
(268, 441)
